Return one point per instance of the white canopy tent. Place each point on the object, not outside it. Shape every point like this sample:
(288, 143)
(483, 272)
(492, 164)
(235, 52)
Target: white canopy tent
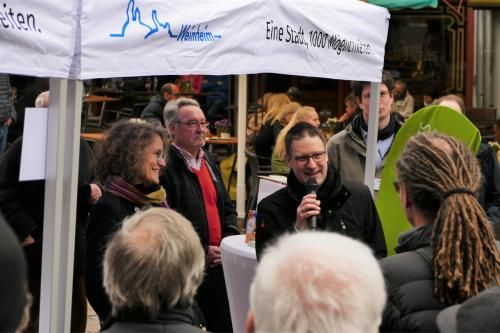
(321, 38)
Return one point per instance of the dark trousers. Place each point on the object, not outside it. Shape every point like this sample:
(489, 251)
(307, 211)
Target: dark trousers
(213, 302)
(79, 300)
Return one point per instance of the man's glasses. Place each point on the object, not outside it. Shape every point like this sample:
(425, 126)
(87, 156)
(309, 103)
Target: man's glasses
(194, 123)
(317, 157)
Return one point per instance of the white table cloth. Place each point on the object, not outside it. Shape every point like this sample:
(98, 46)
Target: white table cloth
(239, 262)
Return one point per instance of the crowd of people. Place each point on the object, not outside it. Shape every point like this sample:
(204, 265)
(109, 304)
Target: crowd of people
(153, 209)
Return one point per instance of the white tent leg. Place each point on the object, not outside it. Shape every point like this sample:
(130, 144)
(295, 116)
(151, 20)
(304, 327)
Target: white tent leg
(242, 127)
(371, 144)
(60, 204)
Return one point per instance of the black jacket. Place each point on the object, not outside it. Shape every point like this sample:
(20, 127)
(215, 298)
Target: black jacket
(265, 141)
(105, 218)
(155, 109)
(346, 208)
(175, 320)
(6, 106)
(409, 275)
(489, 193)
(22, 203)
(184, 195)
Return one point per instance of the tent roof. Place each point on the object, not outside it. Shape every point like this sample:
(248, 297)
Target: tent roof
(320, 38)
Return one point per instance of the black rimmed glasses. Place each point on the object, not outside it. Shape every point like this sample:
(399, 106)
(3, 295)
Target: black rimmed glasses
(194, 123)
(317, 157)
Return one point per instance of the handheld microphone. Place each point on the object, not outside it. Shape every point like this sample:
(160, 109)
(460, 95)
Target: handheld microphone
(311, 188)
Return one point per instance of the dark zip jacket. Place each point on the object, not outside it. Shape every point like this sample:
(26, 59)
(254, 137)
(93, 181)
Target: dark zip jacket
(346, 208)
(411, 305)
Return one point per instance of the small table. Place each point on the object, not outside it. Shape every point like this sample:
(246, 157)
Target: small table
(92, 100)
(217, 140)
(239, 262)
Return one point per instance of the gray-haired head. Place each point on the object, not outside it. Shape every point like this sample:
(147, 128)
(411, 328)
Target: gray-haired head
(155, 261)
(172, 109)
(42, 100)
(317, 282)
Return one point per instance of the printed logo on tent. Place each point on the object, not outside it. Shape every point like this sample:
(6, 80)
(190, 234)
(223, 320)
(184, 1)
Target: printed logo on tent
(188, 32)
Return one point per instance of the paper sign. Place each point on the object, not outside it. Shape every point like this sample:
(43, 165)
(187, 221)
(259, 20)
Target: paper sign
(33, 155)
(268, 185)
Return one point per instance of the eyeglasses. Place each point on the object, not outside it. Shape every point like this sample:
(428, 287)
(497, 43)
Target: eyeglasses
(160, 155)
(383, 94)
(317, 157)
(194, 123)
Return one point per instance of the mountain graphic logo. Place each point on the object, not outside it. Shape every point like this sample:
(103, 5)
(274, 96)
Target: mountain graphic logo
(188, 32)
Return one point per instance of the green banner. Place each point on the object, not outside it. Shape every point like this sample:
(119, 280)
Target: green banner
(432, 118)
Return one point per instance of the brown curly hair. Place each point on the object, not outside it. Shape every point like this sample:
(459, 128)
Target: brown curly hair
(465, 257)
(120, 153)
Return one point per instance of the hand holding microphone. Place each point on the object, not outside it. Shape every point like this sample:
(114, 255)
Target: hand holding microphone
(308, 208)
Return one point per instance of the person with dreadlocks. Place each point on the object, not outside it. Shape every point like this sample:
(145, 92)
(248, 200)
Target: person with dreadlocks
(450, 254)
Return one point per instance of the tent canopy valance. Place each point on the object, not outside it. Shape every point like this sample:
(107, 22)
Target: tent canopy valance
(332, 39)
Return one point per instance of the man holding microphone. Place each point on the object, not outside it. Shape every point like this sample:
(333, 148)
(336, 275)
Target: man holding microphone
(315, 191)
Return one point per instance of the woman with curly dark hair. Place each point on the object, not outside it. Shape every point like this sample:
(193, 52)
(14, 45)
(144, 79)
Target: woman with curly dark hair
(451, 253)
(128, 163)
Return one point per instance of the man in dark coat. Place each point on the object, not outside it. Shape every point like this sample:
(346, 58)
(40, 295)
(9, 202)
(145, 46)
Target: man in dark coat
(27, 90)
(342, 207)
(195, 188)
(22, 203)
(7, 111)
(489, 193)
(153, 112)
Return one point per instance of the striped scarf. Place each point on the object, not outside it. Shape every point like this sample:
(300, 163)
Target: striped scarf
(122, 189)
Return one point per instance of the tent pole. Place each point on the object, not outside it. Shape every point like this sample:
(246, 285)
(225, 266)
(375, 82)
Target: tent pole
(63, 146)
(242, 127)
(371, 142)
